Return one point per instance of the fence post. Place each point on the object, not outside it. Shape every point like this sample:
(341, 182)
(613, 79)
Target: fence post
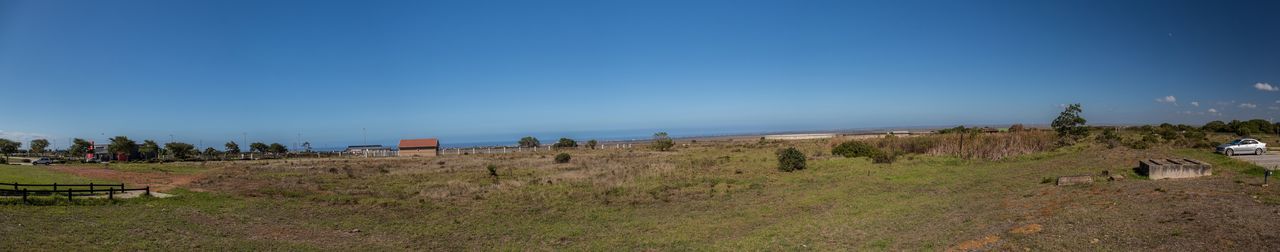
(148, 190)
(90, 186)
(111, 193)
(55, 186)
(68, 194)
(24, 195)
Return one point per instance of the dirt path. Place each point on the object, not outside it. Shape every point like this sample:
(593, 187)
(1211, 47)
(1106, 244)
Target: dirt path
(158, 181)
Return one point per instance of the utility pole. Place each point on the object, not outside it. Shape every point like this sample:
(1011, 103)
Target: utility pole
(170, 138)
(366, 136)
(245, 138)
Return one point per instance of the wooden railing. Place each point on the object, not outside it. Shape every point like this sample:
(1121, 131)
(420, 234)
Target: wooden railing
(13, 189)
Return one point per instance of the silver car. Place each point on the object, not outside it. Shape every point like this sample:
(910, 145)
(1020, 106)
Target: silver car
(1243, 145)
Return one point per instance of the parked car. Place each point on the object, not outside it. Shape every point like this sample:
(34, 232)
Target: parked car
(1243, 145)
(42, 161)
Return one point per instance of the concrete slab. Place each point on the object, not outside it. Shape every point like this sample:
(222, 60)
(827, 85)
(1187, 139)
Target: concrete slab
(1269, 160)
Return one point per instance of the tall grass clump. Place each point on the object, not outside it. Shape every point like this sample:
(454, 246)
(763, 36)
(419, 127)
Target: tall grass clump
(993, 146)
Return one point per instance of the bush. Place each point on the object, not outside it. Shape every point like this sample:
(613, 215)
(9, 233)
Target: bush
(562, 158)
(882, 157)
(854, 149)
(565, 143)
(1109, 138)
(790, 159)
(662, 142)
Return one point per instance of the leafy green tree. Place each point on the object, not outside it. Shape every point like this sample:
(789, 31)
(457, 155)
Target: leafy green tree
(79, 147)
(232, 147)
(591, 144)
(277, 148)
(121, 145)
(9, 146)
(180, 150)
(529, 142)
(790, 159)
(149, 149)
(1069, 124)
(662, 141)
(211, 152)
(258, 147)
(565, 143)
(39, 145)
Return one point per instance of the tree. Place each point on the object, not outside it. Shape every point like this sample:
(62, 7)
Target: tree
(306, 147)
(210, 152)
(565, 143)
(258, 147)
(232, 147)
(591, 144)
(149, 149)
(39, 145)
(790, 159)
(121, 145)
(277, 148)
(79, 147)
(9, 146)
(1069, 124)
(529, 142)
(180, 150)
(662, 142)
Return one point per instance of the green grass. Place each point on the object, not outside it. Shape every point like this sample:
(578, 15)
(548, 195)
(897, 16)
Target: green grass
(178, 168)
(728, 197)
(40, 175)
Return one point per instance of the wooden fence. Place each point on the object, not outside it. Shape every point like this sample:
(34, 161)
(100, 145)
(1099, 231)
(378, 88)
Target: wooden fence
(13, 189)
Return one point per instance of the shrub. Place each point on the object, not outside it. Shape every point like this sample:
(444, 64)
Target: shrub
(493, 170)
(562, 158)
(565, 143)
(1109, 138)
(662, 142)
(854, 149)
(790, 159)
(882, 157)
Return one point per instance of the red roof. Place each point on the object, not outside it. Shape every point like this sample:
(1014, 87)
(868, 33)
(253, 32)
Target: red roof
(419, 143)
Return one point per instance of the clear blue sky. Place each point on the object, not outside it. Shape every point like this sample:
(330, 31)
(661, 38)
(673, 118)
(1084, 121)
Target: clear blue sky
(495, 70)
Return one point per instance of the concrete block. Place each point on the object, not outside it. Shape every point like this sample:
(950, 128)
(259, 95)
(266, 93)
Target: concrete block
(1174, 168)
(1072, 180)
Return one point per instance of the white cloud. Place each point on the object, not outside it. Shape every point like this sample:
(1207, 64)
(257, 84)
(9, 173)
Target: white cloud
(1197, 104)
(1274, 108)
(1265, 87)
(1213, 111)
(1167, 99)
(1248, 105)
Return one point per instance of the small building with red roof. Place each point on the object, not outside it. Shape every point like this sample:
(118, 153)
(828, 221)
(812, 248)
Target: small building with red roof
(426, 147)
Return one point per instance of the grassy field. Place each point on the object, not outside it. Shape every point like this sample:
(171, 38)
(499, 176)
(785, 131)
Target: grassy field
(705, 196)
(40, 175)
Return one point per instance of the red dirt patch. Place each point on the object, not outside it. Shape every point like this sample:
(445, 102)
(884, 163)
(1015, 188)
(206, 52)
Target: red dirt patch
(157, 181)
